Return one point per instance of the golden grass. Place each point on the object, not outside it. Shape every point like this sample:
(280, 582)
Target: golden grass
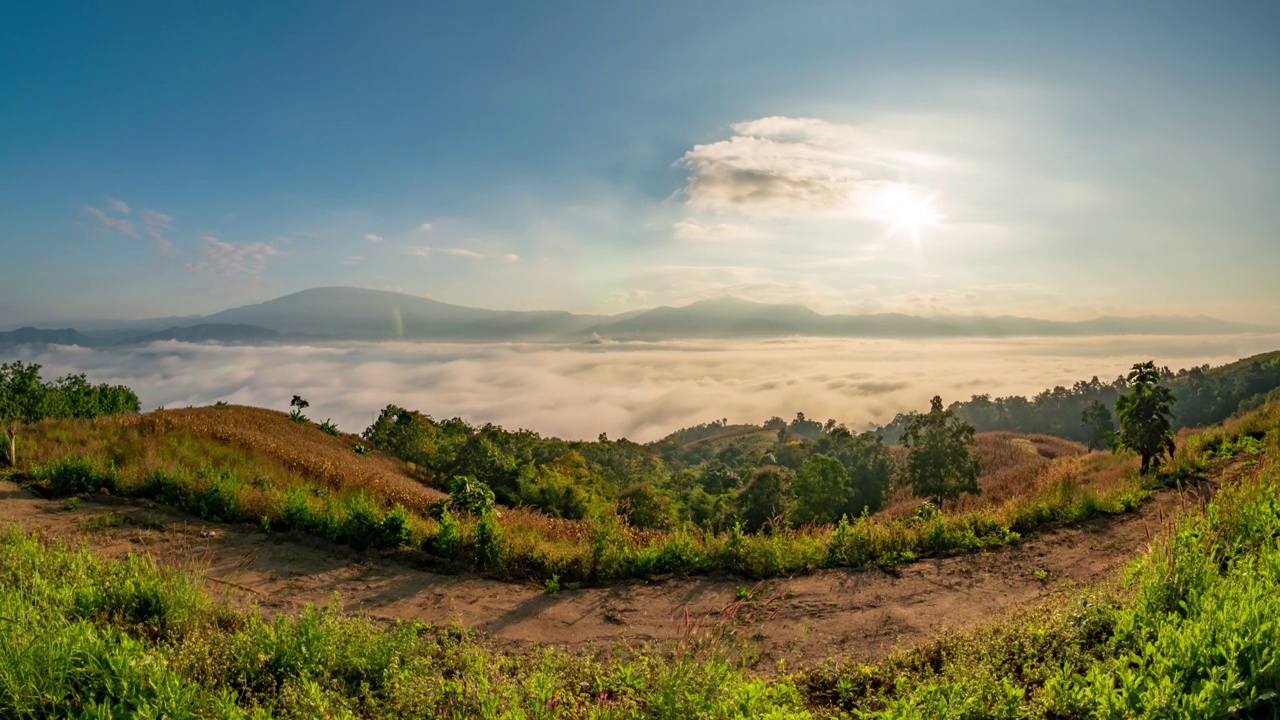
(1019, 467)
(253, 441)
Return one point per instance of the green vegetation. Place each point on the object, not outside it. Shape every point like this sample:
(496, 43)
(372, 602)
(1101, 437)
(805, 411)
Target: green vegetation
(939, 465)
(26, 398)
(1190, 632)
(1206, 396)
(1145, 413)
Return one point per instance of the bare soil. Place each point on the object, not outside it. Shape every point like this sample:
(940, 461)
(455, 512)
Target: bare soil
(860, 614)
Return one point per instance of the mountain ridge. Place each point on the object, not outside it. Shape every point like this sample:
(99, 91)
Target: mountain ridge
(350, 313)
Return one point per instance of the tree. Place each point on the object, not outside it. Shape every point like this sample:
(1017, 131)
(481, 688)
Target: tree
(821, 490)
(764, 498)
(1146, 414)
(939, 464)
(1097, 418)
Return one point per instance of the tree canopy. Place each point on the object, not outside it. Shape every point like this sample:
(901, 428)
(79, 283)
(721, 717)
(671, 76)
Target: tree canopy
(1146, 413)
(939, 464)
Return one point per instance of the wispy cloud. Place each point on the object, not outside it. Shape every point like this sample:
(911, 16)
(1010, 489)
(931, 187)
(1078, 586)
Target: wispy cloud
(425, 227)
(154, 224)
(373, 238)
(691, 230)
(107, 224)
(353, 260)
(423, 251)
(115, 219)
(222, 258)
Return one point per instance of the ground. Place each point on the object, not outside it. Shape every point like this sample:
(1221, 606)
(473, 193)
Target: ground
(802, 620)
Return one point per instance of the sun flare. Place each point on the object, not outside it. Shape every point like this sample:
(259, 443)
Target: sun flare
(906, 210)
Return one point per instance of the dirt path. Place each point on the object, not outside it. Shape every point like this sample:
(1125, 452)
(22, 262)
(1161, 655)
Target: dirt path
(860, 614)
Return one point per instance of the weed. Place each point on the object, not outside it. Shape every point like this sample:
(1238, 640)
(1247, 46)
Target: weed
(328, 427)
(552, 584)
(71, 505)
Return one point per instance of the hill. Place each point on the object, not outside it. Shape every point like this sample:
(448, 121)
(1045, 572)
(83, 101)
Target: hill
(348, 313)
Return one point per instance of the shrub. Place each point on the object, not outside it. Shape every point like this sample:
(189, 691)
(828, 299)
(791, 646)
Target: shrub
(468, 495)
(488, 542)
(328, 427)
(75, 475)
(448, 540)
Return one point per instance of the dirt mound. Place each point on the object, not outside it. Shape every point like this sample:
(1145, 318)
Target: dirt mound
(859, 614)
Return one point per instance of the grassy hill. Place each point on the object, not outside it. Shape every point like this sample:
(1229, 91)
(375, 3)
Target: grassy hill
(1188, 631)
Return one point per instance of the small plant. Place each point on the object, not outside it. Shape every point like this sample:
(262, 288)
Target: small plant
(362, 449)
(552, 584)
(1042, 575)
(328, 427)
(72, 505)
(298, 405)
(448, 540)
(220, 403)
(468, 495)
(266, 523)
(742, 593)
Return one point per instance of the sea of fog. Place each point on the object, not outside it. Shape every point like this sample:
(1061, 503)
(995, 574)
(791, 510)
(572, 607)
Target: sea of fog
(640, 391)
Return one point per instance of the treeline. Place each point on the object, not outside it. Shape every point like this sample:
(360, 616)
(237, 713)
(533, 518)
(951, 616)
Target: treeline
(816, 474)
(26, 398)
(1205, 395)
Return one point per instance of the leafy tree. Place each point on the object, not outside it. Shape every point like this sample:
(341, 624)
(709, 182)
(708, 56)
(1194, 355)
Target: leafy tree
(765, 497)
(1146, 413)
(821, 491)
(1097, 418)
(299, 403)
(939, 464)
(25, 398)
(646, 507)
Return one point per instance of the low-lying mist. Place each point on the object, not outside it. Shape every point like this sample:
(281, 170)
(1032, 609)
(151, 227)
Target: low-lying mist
(641, 391)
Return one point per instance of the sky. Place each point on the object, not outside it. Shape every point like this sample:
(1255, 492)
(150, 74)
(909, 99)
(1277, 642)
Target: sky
(1056, 160)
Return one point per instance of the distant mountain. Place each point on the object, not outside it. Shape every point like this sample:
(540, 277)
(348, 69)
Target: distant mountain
(345, 313)
(208, 332)
(355, 313)
(34, 336)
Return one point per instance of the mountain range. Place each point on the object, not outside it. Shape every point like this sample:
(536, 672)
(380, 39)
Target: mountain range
(345, 313)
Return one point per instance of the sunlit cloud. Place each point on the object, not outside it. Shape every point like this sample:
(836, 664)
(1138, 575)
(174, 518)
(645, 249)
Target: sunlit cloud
(691, 230)
(425, 227)
(424, 251)
(119, 207)
(780, 167)
(373, 238)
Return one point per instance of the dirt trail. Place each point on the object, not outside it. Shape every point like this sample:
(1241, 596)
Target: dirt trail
(860, 614)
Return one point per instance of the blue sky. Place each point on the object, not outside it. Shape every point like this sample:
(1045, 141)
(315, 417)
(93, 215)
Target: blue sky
(1048, 159)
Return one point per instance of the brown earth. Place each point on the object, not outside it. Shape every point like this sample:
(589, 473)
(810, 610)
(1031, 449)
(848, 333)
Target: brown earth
(836, 613)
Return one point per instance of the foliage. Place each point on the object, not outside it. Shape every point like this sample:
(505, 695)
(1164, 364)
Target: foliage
(26, 398)
(468, 495)
(329, 428)
(939, 465)
(1097, 418)
(1145, 414)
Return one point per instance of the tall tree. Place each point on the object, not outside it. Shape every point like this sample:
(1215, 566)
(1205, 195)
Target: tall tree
(1146, 414)
(1098, 420)
(939, 463)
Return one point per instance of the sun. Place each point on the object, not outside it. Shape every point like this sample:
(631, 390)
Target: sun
(906, 210)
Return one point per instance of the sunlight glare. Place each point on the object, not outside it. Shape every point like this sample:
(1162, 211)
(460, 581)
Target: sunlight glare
(905, 209)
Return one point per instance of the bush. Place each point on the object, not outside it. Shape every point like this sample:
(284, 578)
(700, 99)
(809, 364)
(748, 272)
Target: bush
(468, 495)
(488, 542)
(448, 540)
(75, 475)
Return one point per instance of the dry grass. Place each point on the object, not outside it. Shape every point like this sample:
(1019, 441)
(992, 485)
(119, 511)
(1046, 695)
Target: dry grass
(1016, 466)
(254, 441)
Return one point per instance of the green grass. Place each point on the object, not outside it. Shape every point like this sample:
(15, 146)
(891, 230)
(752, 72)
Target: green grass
(1193, 630)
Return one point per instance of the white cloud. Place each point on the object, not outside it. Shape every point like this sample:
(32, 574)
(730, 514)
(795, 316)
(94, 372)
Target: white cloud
(795, 167)
(373, 238)
(691, 230)
(118, 207)
(425, 227)
(223, 258)
(425, 251)
(638, 390)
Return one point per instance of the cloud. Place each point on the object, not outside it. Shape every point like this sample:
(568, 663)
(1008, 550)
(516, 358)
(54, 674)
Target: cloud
(154, 224)
(373, 238)
(424, 251)
(795, 167)
(223, 258)
(637, 390)
(425, 227)
(691, 230)
(353, 260)
(107, 224)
